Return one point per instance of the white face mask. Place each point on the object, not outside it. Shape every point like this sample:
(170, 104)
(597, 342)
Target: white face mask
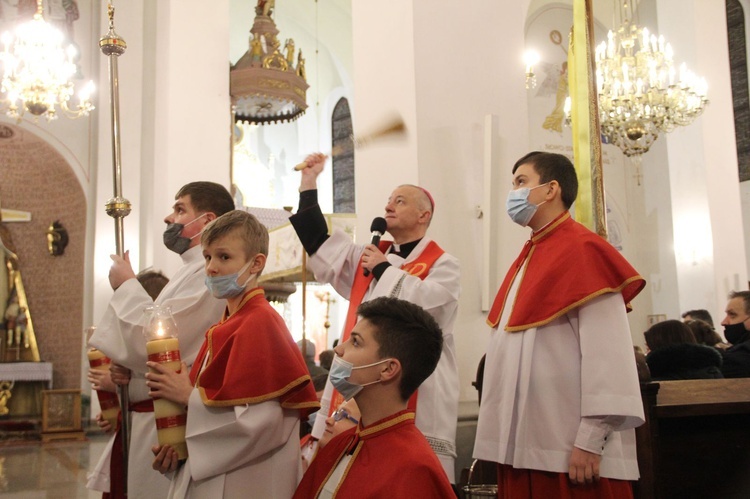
(518, 206)
(339, 375)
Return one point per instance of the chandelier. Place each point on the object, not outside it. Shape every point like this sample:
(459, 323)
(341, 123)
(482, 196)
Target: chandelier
(37, 72)
(641, 94)
(266, 85)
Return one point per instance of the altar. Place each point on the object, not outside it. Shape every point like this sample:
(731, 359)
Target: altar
(21, 384)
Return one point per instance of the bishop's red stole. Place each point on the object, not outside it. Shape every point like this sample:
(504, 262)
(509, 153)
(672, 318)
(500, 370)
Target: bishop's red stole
(562, 267)
(419, 267)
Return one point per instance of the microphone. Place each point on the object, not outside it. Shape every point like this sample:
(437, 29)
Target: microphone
(378, 228)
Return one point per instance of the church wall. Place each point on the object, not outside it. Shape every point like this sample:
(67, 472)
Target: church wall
(709, 246)
(56, 182)
(38, 179)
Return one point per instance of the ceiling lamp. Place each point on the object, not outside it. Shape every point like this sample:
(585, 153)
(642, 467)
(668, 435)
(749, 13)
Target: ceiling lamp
(641, 93)
(266, 85)
(37, 72)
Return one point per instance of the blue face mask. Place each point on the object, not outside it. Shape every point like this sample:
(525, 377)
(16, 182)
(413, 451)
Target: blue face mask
(519, 208)
(226, 286)
(339, 375)
(311, 419)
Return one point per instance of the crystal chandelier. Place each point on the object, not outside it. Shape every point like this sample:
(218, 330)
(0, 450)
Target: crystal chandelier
(37, 72)
(266, 85)
(641, 94)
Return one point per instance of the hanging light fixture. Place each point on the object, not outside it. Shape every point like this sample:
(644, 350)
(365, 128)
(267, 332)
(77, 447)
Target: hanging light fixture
(641, 93)
(37, 72)
(266, 85)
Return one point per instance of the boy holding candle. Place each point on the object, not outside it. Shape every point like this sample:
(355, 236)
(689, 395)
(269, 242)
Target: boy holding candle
(248, 387)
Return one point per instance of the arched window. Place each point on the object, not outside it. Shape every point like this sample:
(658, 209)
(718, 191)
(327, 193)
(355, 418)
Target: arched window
(740, 97)
(343, 164)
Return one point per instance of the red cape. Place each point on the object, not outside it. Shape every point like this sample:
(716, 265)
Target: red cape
(390, 458)
(252, 358)
(567, 266)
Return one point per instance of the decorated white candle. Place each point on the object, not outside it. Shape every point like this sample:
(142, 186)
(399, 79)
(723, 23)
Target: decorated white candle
(162, 347)
(108, 402)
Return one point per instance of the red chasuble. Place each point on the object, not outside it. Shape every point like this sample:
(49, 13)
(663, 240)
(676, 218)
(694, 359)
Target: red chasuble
(252, 358)
(390, 458)
(566, 265)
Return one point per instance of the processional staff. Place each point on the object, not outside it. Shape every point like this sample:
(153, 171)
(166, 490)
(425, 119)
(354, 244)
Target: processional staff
(112, 46)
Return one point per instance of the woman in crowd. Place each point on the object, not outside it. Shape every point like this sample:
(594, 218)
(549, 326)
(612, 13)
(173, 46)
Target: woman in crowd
(675, 353)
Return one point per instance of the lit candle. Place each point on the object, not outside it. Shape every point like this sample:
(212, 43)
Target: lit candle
(162, 347)
(108, 402)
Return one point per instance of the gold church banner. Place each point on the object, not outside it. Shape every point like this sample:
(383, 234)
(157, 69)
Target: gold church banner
(587, 144)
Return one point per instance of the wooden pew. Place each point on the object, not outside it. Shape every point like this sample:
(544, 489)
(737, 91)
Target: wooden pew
(696, 440)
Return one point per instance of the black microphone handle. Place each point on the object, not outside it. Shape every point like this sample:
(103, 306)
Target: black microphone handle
(375, 240)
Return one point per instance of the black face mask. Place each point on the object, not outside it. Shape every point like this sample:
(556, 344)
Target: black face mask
(736, 333)
(174, 241)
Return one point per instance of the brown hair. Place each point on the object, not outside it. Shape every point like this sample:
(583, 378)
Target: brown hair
(253, 233)
(207, 197)
(152, 281)
(704, 333)
(667, 333)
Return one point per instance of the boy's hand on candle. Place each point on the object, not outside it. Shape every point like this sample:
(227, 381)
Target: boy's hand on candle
(169, 384)
(121, 270)
(103, 423)
(100, 380)
(118, 374)
(166, 458)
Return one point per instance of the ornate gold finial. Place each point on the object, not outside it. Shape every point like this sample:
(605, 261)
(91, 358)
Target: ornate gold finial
(112, 43)
(111, 15)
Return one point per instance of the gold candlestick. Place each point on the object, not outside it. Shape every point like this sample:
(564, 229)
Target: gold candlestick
(162, 347)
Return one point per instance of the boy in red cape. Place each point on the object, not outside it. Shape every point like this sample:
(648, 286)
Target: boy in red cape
(560, 396)
(248, 387)
(392, 349)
